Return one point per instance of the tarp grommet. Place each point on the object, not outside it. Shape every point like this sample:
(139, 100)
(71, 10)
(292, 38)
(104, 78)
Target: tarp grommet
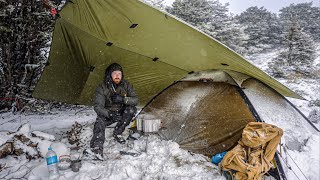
(133, 25)
(109, 43)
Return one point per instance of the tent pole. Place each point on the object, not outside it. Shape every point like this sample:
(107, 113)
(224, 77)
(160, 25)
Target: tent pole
(251, 108)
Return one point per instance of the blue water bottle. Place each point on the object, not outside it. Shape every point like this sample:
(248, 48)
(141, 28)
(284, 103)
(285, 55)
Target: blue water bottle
(52, 163)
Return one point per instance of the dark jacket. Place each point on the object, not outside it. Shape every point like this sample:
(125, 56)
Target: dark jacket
(103, 105)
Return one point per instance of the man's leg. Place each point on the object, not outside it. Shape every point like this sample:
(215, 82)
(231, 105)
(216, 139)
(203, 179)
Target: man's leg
(98, 138)
(127, 116)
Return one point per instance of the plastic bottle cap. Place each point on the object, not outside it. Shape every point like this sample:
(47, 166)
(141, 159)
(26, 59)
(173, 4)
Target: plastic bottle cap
(49, 148)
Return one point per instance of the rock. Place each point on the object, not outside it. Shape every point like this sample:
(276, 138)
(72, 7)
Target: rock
(6, 149)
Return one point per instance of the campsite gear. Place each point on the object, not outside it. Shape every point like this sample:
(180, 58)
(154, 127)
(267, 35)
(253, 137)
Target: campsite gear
(218, 157)
(139, 124)
(207, 122)
(75, 165)
(52, 163)
(64, 162)
(119, 138)
(208, 118)
(151, 125)
(253, 155)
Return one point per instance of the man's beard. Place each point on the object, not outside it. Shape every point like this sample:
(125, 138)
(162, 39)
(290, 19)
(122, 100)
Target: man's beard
(117, 81)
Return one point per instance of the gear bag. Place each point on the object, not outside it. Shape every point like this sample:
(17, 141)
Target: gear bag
(253, 155)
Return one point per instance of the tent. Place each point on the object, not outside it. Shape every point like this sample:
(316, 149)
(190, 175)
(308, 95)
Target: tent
(206, 112)
(157, 50)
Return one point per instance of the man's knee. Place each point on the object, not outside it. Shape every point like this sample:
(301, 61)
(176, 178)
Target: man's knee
(103, 121)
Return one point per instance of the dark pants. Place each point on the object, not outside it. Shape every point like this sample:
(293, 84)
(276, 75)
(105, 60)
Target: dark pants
(101, 123)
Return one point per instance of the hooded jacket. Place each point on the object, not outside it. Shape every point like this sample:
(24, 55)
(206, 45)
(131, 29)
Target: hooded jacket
(103, 105)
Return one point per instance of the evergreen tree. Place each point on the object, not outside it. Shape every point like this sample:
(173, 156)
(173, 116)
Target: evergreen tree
(298, 54)
(211, 17)
(232, 34)
(195, 12)
(262, 27)
(25, 35)
(156, 3)
(305, 14)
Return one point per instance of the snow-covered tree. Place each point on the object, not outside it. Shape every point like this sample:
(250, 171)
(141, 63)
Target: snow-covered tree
(298, 54)
(25, 33)
(213, 18)
(232, 34)
(160, 4)
(305, 14)
(195, 12)
(262, 28)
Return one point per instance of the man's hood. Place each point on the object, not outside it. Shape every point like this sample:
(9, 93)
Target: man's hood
(113, 67)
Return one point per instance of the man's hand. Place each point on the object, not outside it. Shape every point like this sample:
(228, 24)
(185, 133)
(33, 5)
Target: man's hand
(117, 98)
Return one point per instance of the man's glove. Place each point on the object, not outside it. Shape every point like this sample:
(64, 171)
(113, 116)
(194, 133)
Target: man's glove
(117, 98)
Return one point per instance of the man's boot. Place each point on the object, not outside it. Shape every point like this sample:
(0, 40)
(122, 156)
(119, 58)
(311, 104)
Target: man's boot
(119, 138)
(94, 153)
(98, 152)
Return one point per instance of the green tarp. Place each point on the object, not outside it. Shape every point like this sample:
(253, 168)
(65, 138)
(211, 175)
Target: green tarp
(154, 48)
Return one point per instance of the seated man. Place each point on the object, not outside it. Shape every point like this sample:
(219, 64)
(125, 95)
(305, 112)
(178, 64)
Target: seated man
(115, 101)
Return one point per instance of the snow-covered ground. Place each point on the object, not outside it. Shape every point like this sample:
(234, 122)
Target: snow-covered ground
(158, 159)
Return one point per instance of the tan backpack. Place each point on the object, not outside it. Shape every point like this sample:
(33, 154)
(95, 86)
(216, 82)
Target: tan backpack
(253, 155)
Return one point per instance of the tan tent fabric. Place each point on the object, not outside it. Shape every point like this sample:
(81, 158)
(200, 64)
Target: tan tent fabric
(252, 157)
(204, 118)
(90, 35)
